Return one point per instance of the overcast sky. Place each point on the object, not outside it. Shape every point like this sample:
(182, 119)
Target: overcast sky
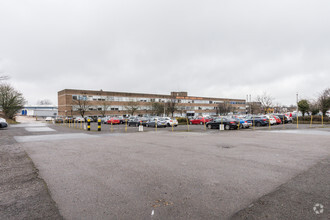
(208, 48)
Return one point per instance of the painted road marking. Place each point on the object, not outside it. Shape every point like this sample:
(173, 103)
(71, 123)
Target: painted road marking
(37, 129)
(313, 132)
(51, 137)
(23, 125)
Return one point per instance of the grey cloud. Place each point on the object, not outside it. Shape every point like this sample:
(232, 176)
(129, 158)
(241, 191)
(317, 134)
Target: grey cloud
(208, 48)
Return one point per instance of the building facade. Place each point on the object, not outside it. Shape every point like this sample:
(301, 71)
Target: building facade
(40, 110)
(71, 101)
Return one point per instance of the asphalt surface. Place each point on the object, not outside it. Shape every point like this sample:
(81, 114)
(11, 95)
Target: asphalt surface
(294, 199)
(23, 194)
(202, 174)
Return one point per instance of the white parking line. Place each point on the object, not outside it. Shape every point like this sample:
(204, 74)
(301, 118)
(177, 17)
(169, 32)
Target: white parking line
(38, 129)
(23, 125)
(313, 132)
(51, 137)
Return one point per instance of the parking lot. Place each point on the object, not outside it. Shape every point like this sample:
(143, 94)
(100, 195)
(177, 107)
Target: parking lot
(202, 174)
(122, 128)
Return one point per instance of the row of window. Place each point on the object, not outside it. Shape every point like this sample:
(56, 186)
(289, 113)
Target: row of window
(130, 99)
(123, 108)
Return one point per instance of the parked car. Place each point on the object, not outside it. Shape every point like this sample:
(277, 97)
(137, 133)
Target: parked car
(258, 120)
(113, 121)
(171, 121)
(79, 119)
(278, 120)
(3, 123)
(271, 119)
(283, 118)
(138, 121)
(91, 119)
(49, 119)
(289, 117)
(59, 120)
(121, 119)
(68, 120)
(104, 119)
(160, 122)
(242, 122)
(229, 123)
(199, 120)
(132, 118)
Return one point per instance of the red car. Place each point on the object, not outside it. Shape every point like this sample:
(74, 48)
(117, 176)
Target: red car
(199, 120)
(113, 121)
(278, 120)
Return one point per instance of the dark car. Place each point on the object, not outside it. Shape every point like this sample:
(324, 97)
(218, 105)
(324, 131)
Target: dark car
(69, 120)
(138, 121)
(283, 118)
(227, 122)
(3, 123)
(59, 120)
(91, 119)
(258, 120)
(161, 123)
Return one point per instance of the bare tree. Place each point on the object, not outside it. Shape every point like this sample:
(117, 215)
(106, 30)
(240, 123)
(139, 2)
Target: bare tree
(11, 101)
(132, 107)
(224, 108)
(157, 108)
(3, 77)
(171, 105)
(44, 102)
(105, 107)
(266, 101)
(314, 107)
(324, 101)
(82, 105)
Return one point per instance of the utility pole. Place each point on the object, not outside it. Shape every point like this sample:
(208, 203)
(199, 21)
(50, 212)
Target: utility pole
(297, 103)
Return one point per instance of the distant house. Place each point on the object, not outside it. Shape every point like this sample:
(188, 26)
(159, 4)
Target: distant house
(40, 110)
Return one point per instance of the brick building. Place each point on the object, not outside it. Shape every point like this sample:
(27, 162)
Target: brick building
(116, 103)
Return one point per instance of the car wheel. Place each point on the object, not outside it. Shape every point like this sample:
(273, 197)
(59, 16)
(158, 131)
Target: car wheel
(209, 126)
(258, 124)
(227, 127)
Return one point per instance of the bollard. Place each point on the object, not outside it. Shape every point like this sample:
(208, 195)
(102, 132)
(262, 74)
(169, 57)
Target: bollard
(253, 124)
(322, 121)
(297, 119)
(126, 125)
(311, 121)
(141, 126)
(239, 123)
(88, 125)
(283, 122)
(111, 126)
(188, 123)
(269, 123)
(156, 124)
(99, 124)
(172, 124)
(204, 124)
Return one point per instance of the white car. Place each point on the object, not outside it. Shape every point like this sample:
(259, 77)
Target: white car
(49, 119)
(272, 120)
(171, 122)
(79, 119)
(3, 123)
